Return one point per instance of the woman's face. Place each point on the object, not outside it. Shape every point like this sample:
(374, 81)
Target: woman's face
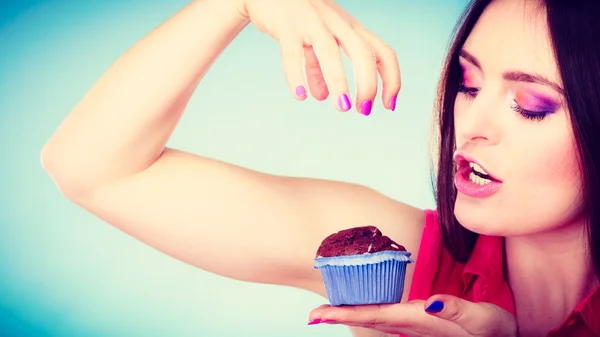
(510, 117)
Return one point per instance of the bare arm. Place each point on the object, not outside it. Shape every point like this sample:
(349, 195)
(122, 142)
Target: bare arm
(122, 124)
(109, 156)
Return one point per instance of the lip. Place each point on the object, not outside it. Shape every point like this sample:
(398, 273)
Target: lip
(462, 159)
(466, 186)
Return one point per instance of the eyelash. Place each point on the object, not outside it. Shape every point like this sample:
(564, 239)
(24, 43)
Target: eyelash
(471, 93)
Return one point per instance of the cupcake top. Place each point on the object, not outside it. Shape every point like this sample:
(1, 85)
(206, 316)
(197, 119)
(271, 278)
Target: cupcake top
(356, 241)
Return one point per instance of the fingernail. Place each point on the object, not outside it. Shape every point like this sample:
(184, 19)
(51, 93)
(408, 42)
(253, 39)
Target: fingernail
(300, 91)
(393, 103)
(344, 102)
(366, 107)
(435, 307)
(330, 321)
(314, 321)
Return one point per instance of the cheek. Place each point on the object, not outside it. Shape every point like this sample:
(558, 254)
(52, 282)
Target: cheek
(551, 164)
(546, 183)
(560, 167)
(460, 104)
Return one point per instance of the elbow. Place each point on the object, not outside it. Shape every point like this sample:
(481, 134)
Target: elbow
(63, 174)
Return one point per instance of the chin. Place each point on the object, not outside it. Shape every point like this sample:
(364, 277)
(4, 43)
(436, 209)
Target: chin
(497, 217)
(483, 217)
(479, 218)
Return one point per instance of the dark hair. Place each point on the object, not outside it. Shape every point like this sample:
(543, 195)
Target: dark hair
(574, 30)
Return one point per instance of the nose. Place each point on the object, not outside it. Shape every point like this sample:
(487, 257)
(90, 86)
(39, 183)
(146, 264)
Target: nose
(478, 121)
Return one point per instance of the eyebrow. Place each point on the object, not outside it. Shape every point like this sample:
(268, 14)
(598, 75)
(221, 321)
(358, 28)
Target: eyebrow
(517, 76)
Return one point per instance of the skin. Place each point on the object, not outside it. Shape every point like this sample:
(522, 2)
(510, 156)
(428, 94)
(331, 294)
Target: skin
(162, 196)
(517, 151)
(538, 208)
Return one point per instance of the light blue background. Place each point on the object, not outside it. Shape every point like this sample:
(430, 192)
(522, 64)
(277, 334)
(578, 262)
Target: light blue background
(65, 273)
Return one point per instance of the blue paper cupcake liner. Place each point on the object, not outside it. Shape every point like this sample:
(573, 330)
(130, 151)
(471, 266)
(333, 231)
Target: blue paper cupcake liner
(376, 278)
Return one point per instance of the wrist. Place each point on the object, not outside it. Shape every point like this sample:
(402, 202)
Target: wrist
(234, 7)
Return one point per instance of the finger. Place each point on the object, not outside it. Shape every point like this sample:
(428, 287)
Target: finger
(292, 58)
(357, 316)
(389, 318)
(360, 53)
(387, 66)
(328, 53)
(476, 318)
(316, 82)
(371, 315)
(387, 61)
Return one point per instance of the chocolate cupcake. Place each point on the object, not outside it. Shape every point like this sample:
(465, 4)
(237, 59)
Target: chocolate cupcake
(362, 266)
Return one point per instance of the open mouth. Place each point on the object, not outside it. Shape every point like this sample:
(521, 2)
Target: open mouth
(472, 178)
(473, 171)
(477, 175)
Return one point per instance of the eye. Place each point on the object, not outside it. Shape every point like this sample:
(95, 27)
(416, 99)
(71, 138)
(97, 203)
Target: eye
(532, 105)
(530, 115)
(470, 92)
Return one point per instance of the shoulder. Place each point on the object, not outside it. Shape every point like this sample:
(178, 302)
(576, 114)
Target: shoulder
(401, 222)
(353, 205)
(435, 269)
(336, 206)
(408, 226)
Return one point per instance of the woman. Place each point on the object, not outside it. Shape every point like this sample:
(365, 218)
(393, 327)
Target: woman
(513, 246)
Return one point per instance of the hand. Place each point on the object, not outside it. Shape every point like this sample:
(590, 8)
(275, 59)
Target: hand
(440, 315)
(313, 31)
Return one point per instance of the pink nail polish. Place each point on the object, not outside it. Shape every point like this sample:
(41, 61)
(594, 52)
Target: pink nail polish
(300, 91)
(314, 321)
(393, 103)
(366, 107)
(344, 102)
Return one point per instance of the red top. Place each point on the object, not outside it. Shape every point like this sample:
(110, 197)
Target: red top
(481, 279)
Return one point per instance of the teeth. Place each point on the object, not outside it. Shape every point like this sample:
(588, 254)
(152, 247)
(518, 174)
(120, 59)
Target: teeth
(477, 168)
(478, 180)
